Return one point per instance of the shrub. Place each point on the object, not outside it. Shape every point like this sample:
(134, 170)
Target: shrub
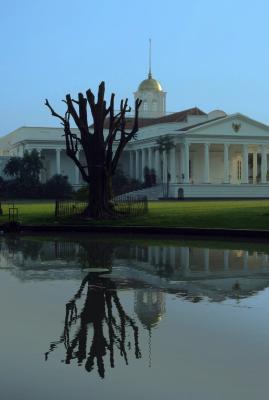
(82, 194)
(57, 187)
(17, 188)
(122, 184)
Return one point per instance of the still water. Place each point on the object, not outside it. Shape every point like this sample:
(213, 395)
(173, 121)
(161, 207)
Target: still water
(86, 317)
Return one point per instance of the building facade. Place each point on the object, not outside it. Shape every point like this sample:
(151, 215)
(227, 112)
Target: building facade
(213, 154)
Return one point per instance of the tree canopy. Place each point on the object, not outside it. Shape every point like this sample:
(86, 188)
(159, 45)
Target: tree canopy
(24, 168)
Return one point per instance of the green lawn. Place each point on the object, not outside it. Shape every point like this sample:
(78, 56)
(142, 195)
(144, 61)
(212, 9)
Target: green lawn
(38, 212)
(253, 214)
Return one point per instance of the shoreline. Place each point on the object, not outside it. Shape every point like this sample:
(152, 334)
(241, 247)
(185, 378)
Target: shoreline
(146, 230)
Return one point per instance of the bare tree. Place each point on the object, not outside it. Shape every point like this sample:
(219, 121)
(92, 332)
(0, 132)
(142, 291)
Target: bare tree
(102, 152)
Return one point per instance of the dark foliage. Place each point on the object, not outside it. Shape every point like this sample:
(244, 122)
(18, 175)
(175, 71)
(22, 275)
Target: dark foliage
(25, 172)
(82, 194)
(26, 168)
(122, 184)
(57, 187)
(18, 188)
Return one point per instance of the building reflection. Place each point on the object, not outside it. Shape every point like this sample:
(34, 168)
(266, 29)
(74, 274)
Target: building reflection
(149, 306)
(197, 269)
(191, 262)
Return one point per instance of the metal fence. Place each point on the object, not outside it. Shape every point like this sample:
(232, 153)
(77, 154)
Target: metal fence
(131, 205)
(123, 205)
(65, 208)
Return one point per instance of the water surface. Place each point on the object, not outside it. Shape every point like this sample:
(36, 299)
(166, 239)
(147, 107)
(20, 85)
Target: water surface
(101, 317)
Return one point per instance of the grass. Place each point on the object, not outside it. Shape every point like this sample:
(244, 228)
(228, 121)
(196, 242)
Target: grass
(30, 212)
(245, 214)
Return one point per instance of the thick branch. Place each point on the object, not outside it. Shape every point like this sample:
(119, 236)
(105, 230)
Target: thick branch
(125, 136)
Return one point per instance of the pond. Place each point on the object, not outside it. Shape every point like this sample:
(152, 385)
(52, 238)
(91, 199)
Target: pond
(102, 317)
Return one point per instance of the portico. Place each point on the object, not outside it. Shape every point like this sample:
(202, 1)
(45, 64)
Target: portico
(204, 163)
(229, 153)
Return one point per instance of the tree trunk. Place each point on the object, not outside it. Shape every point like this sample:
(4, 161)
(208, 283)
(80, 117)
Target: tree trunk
(99, 205)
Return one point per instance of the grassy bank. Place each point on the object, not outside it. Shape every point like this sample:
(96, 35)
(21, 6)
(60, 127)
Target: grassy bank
(30, 212)
(244, 214)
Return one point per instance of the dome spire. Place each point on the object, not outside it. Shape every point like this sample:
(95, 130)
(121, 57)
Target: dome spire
(150, 74)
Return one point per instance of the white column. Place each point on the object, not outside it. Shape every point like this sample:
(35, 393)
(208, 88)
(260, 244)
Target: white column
(173, 164)
(264, 164)
(131, 164)
(255, 167)
(158, 165)
(226, 163)
(137, 165)
(206, 162)
(186, 170)
(182, 163)
(58, 161)
(21, 152)
(245, 163)
(150, 158)
(143, 164)
(164, 166)
(40, 173)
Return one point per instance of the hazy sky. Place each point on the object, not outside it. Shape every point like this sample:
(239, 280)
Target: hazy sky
(206, 53)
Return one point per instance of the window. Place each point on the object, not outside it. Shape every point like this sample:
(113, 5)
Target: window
(154, 106)
(145, 106)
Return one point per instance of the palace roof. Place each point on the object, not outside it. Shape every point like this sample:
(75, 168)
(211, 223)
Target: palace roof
(179, 116)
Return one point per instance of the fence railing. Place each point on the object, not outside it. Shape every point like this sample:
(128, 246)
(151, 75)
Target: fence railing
(123, 205)
(131, 205)
(65, 208)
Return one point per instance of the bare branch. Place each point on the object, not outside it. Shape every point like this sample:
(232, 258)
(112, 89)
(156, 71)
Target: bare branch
(53, 113)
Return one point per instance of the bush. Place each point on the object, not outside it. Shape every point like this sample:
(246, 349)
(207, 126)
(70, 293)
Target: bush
(82, 194)
(17, 188)
(57, 187)
(122, 184)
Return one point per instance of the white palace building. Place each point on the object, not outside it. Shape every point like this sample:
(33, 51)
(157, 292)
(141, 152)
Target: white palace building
(214, 154)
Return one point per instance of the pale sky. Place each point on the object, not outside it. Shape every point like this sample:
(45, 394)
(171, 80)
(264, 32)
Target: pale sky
(206, 53)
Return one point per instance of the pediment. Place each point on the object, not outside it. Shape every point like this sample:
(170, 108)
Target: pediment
(236, 125)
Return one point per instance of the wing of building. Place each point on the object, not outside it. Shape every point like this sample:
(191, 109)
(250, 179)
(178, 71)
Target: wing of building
(212, 154)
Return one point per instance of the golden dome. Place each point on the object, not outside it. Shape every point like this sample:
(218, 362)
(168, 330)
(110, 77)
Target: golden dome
(150, 84)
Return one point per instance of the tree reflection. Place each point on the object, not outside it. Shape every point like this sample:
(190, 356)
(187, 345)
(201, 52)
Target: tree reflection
(103, 311)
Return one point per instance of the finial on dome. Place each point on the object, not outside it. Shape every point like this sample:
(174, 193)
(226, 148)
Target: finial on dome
(150, 74)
